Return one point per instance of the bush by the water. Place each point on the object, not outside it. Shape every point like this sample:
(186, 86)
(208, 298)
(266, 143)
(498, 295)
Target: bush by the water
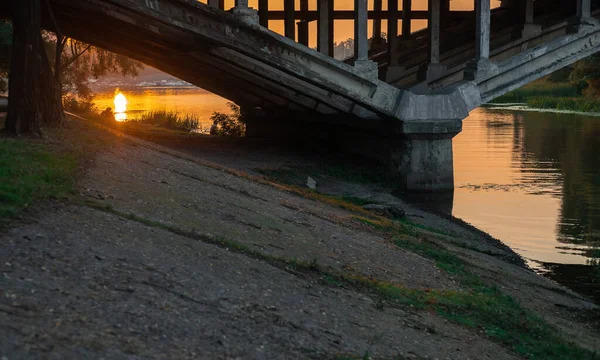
(583, 104)
(228, 124)
(539, 89)
(79, 105)
(169, 120)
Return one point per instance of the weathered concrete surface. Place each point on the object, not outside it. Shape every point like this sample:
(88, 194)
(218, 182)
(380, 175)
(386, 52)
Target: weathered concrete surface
(81, 282)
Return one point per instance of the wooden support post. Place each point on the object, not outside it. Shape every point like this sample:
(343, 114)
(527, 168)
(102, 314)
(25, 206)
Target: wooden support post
(444, 14)
(406, 18)
(434, 30)
(482, 29)
(263, 13)
(528, 11)
(377, 6)
(222, 4)
(289, 19)
(584, 8)
(303, 25)
(392, 31)
(481, 67)
(361, 45)
(325, 27)
(530, 29)
(213, 3)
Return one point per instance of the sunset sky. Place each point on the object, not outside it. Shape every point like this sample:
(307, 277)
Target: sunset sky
(344, 28)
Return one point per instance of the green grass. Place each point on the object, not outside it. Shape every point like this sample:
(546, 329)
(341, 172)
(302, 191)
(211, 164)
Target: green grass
(548, 95)
(169, 120)
(583, 104)
(480, 306)
(30, 171)
(539, 89)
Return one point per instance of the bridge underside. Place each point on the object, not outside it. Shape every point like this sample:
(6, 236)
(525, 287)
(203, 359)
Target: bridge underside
(400, 102)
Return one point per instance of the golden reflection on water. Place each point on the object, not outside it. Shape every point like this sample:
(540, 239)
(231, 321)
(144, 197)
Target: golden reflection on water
(120, 102)
(522, 177)
(186, 100)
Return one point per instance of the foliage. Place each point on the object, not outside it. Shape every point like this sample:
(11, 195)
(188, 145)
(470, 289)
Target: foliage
(539, 89)
(228, 124)
(586, 75)
(583, 104)
(169, 120)
(82, 106)
(81, 61)
(30, 171)
(5, 50)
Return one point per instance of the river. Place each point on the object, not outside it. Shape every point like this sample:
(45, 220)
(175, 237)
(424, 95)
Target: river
(530, 179)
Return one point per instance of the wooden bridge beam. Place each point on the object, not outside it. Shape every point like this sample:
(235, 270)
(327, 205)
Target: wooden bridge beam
(289, 19)
(361, 45)
(406, 18)
(303, 24)
(434, 31)
(584, 8)
(482, 29)
(377, 6)
(263, 13)
(325, 27)
(392, 31)
(530, 29)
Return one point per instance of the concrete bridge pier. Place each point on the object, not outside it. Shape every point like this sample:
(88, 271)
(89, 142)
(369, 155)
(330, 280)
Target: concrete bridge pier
(425, 162)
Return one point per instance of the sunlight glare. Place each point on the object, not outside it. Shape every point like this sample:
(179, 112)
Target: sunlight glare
(120, 107)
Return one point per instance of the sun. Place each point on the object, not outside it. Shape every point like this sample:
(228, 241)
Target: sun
(120, 103)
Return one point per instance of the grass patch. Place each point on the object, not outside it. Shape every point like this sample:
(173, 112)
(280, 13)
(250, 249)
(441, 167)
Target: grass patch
(355, 200)
(169, 120)
(539, 89)
(30, 171)
(548, 95)
(480, 306)
(583, 104)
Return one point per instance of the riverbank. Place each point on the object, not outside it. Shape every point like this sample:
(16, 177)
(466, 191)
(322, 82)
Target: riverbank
(163, 253)
(559, 97)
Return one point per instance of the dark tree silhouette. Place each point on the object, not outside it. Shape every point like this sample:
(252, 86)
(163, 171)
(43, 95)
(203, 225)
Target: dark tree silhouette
(25, 109)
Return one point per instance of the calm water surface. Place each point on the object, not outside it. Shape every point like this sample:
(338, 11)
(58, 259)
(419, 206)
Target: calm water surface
(183, 100)
(532, 180)
(529, 179)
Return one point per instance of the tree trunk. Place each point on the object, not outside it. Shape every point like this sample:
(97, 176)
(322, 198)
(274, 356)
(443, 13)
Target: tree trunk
(34, 95)
(24, 113)
(51, 104)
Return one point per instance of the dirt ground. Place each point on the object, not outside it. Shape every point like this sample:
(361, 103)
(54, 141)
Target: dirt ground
(85, 279)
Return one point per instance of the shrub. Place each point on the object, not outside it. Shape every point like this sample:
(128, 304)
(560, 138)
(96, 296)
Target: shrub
(583, 104)
(539, 89)
(79, 105)
(228, 124)
(169, 120)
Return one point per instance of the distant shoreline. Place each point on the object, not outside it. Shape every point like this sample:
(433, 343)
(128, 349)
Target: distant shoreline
(525, 107)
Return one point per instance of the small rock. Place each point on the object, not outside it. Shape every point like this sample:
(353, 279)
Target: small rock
(391, 211)
(311, 183)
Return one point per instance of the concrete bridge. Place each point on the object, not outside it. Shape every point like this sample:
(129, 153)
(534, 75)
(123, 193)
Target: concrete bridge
(400, 100)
